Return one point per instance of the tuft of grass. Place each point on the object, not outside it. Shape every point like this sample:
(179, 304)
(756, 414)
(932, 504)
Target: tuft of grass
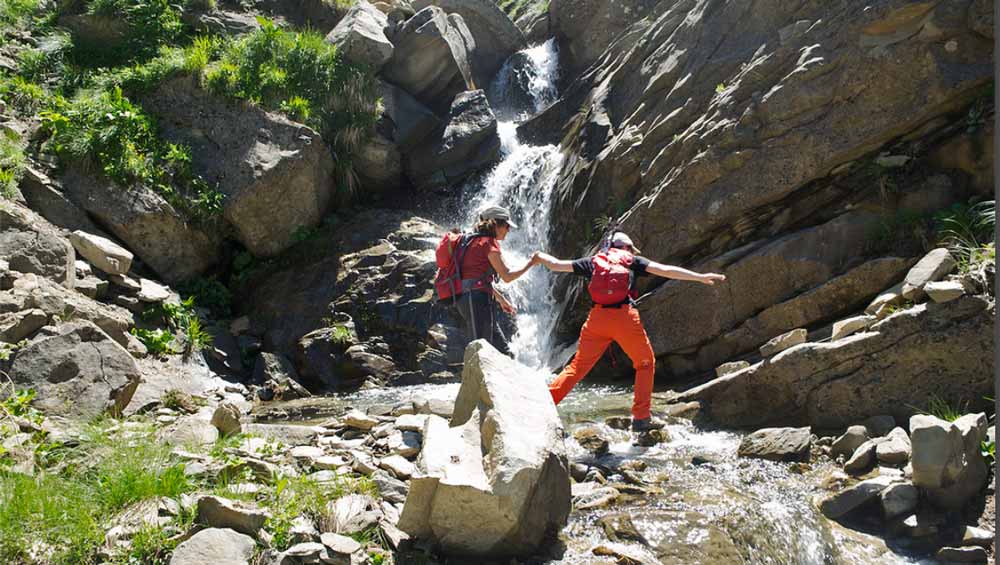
(181, 317)
(292, 497)
(146, 26)
(967, 230)
(105, 130)
(302, 75)
(22, 95)
(12, 163)
(940, 408)
(209, 293)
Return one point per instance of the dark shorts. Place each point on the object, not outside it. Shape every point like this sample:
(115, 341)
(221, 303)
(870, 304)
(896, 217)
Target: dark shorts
(476, 311)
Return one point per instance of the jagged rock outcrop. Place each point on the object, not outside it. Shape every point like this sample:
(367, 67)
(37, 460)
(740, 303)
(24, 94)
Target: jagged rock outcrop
(276, 174)
(411, 121)
(432, 57)
(468, 142)
(736, 122)
(948, 464)
(930, 349)
(359, 36)
(496, 482)
(496, 36)
(30, 244)
(585, 28)
(77, 371)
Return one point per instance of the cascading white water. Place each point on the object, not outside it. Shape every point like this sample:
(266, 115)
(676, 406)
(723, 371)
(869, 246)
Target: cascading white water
(523, 182)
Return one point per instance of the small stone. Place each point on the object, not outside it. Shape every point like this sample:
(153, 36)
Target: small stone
(240, 325)
(329, 462)
(598, 497)
(226, 419)
(848, 443)
(962, 555)
(215, 546)
(219, 512)
(777, 444)
(879, 426)
(411, 422)
(863, 458)
(406, 444)
(362, 463)
(649, 438)
(392, 534)
(899, 499)
(728, 368)
(895, 450)
(783, 342)
(339, 544)
(101, 252)
(150, 291)
(619, 528)
(839, 504)
(398, 466)
(129, 284)
(976, 536)
(303, 530)
(578, 471)
(391, 489)
(82, 269)
(944, 291)
(357, 420)
(886, 300)
(933, 267)
(307, 453)
(308, 552)
(618, 423)
(844, 328)
(591, 439)
(892, 161)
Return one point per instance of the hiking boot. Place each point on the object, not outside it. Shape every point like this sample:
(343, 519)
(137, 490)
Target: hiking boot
(646, 424)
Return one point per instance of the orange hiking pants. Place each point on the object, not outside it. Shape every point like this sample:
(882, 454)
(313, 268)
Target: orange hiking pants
(604, 325)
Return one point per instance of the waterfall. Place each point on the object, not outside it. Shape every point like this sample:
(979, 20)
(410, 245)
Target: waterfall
(523, 181)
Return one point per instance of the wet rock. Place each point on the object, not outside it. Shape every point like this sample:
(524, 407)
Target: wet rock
(379, 164)
(29, 244)
(77, 371)
(468, 142)
(592, 440)
(879, 426)
(844, 328)
(933, 267)
(947, 463)
(977, 536)
(593, 496)
(619, 528)
(962, 555)
(849, 442)
(863, 458)
(899, 500)
(944, 291)
(516, 434)
(227, 419)
(431, 57)
(578, 471)
(649, 438)
(219, 512)
(622, 553)
(618, 423)
(895, 449)
(359, 36)
(214, 546)
(777, 444)
(843, 502)
(783, 342)
(726, 368)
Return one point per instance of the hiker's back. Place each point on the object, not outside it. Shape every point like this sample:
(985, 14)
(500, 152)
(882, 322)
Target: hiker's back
(611, 281)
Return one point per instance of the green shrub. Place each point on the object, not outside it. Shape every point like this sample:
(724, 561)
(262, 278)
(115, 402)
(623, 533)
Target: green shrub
(147, 25)
(209, 293)
(105, 130)
(12, 163)
(158, 342)
(22, 94)
(13, 13)
(301, 74)
(967, 231)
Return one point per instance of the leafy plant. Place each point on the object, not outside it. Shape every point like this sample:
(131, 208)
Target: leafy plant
(967, 230)
(988, 449)
(12, 163)
(19, 404)
(141, 28)
(197, 338)
(158, 342)
(209, 293)
(341, 336)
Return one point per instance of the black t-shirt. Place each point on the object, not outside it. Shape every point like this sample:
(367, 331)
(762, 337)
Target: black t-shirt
(584, 267)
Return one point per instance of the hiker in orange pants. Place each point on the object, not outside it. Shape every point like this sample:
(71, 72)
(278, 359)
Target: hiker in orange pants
(613, 273)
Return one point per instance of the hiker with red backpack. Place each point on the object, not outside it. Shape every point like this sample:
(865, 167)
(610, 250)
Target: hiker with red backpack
(468, 265)
(613, 272)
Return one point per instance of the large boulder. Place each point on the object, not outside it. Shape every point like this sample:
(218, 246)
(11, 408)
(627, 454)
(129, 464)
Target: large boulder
(585, 28)
(359, 36)
(496, 482)
(931, 349)
(468, 142)
(215, 546)
(947, 461)
(77, 372)
(162, 237)
(412, 122)
(379, 164)
(30, 244)
(431, 59)
(276, 174)
(497, 38)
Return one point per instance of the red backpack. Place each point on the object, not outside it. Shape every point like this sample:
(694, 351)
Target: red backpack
(450, 252)
(612, 279)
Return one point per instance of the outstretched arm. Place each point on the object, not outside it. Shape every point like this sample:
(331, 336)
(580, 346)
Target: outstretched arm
(507, 275)
(671, 272)
(553, 264)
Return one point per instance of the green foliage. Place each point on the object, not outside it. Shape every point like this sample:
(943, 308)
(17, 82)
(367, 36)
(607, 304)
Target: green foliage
(23, 95)
(104, 129)
(12, 163)
(967, 231)
(301, 74)
(197, 338)
(209, 293)
(341, 336)
(720, 88)
(14, 13)
(989, 451)
(19, 404)
(145, 27)
(158, 342)
(292, 497)
(170, 61)
(181, 317)
(940, 408)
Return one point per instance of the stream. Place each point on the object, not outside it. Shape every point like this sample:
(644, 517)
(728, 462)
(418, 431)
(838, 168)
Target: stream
(697, 502)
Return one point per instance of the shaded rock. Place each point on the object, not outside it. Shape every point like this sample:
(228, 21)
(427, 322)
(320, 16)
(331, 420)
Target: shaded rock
(379, 164)
(863, 458)
(77, 371)
(594, 496)
(895, 448)
(276, 174)
(884, 371)
(219, 512)
(431, 57)
(592, 440)
(496, 36)
(848, 443)
(412, 121)
(844, 328)
(29, 244)
(962, 555)
(899, 500)
(103, 253)
(777, 444)
(389, 488)
(947, 462)
(48, 200)
(879, 425)
(977, 536)
(406, 444)
(843, 502)
(510, 456)
(619, 528)
(214, 546)
(933, 267)
(618, 422)
(359, 36)
(585, 28)
(783, 342)
(468, 143)
(726, 368)
(944, 291)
